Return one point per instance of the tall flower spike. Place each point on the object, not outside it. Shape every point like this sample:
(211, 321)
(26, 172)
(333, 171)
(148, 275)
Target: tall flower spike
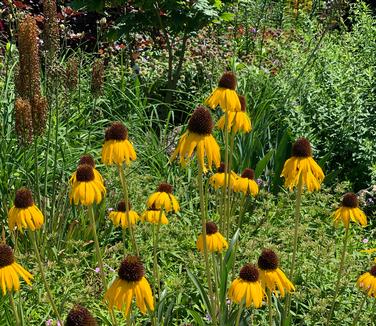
(225, 95)
(302, 164)
(97, 78)
(198, 136)
(23, 120)
(349, 211)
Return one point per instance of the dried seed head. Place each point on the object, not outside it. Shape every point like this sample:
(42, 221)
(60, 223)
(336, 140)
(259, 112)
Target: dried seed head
(85, 173)
(121, 206)
(211, 228)
(117, 131)
(80, 316)
(201, 121)
(71, 73)
(165, 187)
(350, 200)
(131, 269)
(97, 78)
(23, 121)
(6, 255)
(249, 273)
(268, 260)
(24, 198)
(228, 80)
(243, 103)
(222, 168)
(87, 159)
(39, 113)
(301, 148)
(51, 28)
(373, 271)
(248, 173)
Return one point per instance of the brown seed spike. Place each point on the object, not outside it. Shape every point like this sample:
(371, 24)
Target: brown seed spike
(121, 206)
(87, 159)
(373, 271)
(117, 131)
(23, 120)
(350, 200)
(243, 103)
(165, 187)
(201, 121)
(248, 173)
(131, 269)
(85, 173)
(301, 148)
(211, 228)
(268, 260)
(228, 80)
(249, 273)
(24, 198)
(80, 316)
(97, 78)
(6, 255)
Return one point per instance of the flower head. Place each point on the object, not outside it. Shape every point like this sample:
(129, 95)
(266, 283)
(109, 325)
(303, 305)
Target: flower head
(367, 282)
(25, 214)
(163, 199)
(349, 211)
(246, 183)
(154, 216)
(302, 165)
(215, 241)
(88, 160)
(119, 216)
(117, 149)
(199, 136)
(217, 180)
(80, 316)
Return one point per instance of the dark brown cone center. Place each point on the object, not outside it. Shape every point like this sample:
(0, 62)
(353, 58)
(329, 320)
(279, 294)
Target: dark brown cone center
(211, 228)
(117, 131)
(301, 148)
(373, 271)
(243, 103)
(228, 80)
(80, 316)
(6, 255)
(131, 269)
(268, 260)
(222, 168)
(87, 159)
(121, 206)
(85, 173)
(350, 200)
(24, 198)
(165, 187)
(201, 121)
(248, 173)
(249, 273)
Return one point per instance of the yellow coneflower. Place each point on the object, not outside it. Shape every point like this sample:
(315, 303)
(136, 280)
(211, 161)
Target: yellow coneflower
(80, 316)
(217, 180)
(225, 95)
(130, 283)
(119, 217)
(10, 271)
(302, 164)
(163, 199)
(86, 190)
(89, 160)
(246, 183)
(271, 276)
(349, 211)
(247, 287)
(153, 215)
(117, 148)
(367, 282)
(215, 241)
(25, 214)
(237, 121)
(199, 134)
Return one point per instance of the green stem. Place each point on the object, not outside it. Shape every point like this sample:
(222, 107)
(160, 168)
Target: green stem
(42, 274)
(239, 312)
(126, 200)
(216, 283)
(356, 318)
(155, 253)
(373, 312)
(16, 317)
(270, 307)
(340, 272)
(36, 171)
(225, 193)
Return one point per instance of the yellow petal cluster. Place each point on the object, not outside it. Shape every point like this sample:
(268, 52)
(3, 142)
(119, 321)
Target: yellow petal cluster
(251, 292)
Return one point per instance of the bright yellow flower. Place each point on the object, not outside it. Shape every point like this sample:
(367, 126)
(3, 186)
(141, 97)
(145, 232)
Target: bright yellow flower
(271, 276)
(153, 215)
(247, 287)
(367, 282)
(215, 241)
(163, 199)
(225, 95)
(349, 211)
(217, 180)
(302, 164)
(130, 283)
(119, 217)
(89, 160)
(246, 183)
(86, 190)
(199, 136)
(117, 149)
(25, 214)
(10, 271)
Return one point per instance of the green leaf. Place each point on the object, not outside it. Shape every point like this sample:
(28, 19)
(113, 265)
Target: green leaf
(200, 289)
(261, 165)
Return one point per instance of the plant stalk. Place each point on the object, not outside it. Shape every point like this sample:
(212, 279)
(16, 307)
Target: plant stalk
(356, 318)
(16, 317)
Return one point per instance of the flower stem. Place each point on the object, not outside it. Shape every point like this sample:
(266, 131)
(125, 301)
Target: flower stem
(126, 200)
(340, 272)
(225, 192)
(228, 188)
(270, 307)
(42, 274)
(16, 317)
(239, 312)
(356, 318)
(155, 252)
